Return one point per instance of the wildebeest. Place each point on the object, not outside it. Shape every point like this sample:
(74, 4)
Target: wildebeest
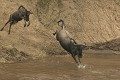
(68, 43)
(18, 15)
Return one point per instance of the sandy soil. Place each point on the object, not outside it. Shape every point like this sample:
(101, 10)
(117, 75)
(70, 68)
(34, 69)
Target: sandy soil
(101, 66)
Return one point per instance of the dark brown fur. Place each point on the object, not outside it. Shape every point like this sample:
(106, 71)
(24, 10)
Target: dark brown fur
(68, 43)
(18, 15)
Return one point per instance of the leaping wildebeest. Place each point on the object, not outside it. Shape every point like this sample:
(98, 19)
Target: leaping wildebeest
(68, 43)
(21, 13)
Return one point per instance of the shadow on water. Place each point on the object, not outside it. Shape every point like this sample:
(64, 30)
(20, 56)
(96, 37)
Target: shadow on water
(98, 67)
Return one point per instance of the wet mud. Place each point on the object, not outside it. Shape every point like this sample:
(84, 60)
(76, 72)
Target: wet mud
(99, 65)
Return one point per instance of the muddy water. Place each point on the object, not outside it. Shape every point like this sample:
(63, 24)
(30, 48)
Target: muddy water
(99, 66)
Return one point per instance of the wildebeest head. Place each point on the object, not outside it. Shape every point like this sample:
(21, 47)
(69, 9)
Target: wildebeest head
(60, 23)
(24, 13)
(27, 15)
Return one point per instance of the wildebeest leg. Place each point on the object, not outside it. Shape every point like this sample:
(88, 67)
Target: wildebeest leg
(10, 19)
(79, 59)
(80, 65)
(25, 23)
(28, 23)
(75, 58)
(5, 25)
(79, 54)
(10, 26)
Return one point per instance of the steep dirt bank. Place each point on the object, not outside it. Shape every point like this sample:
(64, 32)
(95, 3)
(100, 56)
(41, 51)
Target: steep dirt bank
(110, 45)
(89, 21)
(30, 39)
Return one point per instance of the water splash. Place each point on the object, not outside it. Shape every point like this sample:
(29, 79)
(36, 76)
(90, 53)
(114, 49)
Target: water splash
(82, 66)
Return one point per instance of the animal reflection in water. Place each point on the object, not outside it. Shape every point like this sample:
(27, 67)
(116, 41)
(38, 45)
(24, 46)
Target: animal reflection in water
(69, 44)
(18, 15)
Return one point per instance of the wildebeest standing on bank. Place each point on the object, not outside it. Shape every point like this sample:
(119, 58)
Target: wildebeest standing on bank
(68, 43)
(18, 15)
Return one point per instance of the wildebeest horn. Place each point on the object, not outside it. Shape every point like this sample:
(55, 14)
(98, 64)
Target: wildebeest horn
(60, 21)
(31, 12)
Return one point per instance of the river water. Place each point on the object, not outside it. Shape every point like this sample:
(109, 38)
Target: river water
(99, 65)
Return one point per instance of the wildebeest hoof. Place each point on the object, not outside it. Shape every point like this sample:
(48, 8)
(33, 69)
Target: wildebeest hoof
(25, 25)
(28, 24)
(53, 33)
